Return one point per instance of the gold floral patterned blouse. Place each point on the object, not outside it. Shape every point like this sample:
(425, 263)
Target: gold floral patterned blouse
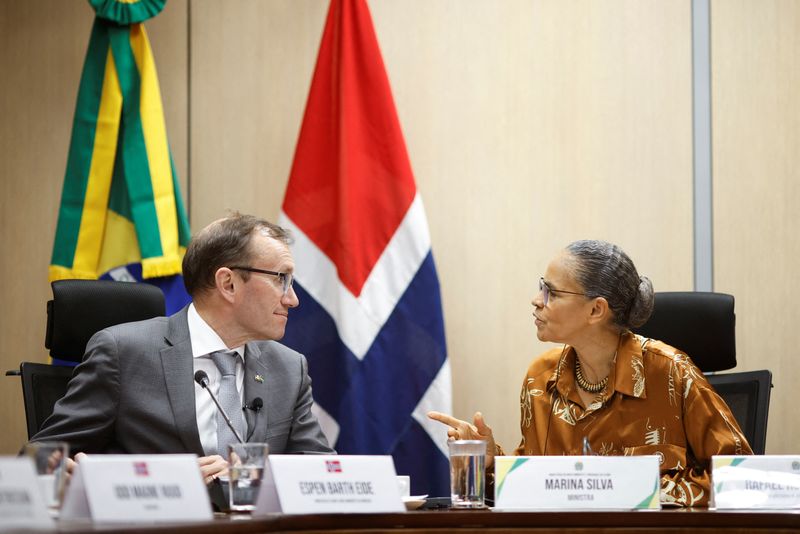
(660, 403)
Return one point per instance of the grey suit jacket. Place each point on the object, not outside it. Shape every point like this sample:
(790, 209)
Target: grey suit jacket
(134, 392)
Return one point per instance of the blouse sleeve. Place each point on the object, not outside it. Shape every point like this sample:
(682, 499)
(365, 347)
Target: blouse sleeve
(710, 429)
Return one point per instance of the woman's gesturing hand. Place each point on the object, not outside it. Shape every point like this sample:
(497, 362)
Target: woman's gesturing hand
(459, 429)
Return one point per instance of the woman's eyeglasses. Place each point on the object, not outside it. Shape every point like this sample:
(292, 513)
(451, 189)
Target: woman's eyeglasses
(547, 290)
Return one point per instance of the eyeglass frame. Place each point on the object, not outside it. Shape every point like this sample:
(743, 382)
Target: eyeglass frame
(283, 277)
(546, 289)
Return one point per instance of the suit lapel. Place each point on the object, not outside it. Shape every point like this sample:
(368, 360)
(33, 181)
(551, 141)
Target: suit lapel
(255, 386)
(176, 360)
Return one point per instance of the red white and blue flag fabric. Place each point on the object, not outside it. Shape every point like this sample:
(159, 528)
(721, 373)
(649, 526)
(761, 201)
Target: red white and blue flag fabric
(370, 317)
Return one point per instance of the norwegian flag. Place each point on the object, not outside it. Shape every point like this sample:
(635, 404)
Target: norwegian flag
(333, 466)
(140, 469)
(370, 318)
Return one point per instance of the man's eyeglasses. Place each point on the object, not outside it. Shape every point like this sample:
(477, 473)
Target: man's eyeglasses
(546, 290)
(287, 279)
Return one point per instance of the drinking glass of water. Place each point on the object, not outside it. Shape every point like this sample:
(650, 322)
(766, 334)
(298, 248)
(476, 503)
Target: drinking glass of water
(50, 459)
(467, 473)
(245, 472)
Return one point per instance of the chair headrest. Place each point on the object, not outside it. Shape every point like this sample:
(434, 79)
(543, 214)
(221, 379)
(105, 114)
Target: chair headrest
(703, 325)
(80, 308)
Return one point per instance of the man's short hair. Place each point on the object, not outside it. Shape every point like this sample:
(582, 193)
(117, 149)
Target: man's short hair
(224, 243)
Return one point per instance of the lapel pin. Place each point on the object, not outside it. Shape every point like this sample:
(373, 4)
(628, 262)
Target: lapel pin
(259, 379)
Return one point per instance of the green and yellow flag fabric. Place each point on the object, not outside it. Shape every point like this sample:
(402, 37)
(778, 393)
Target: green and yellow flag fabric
(121, 206)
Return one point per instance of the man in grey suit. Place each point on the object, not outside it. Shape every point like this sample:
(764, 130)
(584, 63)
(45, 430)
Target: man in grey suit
(135, 391)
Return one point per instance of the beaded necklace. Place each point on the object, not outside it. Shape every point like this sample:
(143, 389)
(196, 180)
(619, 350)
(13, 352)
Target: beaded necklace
(584, 384)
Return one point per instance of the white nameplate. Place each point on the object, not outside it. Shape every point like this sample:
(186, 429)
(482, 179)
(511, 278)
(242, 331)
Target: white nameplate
(755, 482)
(22, 504)
(137, 488)
(576, 482)
(305, 484)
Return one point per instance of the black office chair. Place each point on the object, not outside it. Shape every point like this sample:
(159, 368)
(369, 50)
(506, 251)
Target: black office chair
(701, 324)
(747, 395)
(704, 326)
(79, 309)
(42, 385)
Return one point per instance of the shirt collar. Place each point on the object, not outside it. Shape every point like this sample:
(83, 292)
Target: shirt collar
(203, 338)
(627, 374)
(629, 370)
(563, 378)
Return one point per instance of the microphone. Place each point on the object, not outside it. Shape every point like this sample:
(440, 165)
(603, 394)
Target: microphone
(256, 405)
(202, 378)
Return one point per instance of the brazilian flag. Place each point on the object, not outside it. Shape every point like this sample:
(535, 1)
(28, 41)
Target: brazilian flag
(121, 214)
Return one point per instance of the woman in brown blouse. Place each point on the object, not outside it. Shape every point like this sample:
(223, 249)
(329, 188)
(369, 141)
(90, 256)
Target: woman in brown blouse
(626, 394)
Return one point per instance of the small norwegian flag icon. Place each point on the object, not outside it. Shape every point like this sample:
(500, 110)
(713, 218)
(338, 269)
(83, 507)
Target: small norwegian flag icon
(333, 466)
(140, 468)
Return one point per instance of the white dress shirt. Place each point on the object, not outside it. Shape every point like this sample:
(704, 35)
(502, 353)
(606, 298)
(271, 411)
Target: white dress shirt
(205, 341)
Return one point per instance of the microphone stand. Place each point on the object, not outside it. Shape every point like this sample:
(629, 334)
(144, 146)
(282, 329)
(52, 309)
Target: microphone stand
(202, 378)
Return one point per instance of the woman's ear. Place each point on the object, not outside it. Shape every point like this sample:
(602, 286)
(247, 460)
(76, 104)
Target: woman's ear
(600, 311)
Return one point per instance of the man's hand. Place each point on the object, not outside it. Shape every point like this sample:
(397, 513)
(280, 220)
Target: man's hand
(464, 430)
(69, 466)
(212, 467)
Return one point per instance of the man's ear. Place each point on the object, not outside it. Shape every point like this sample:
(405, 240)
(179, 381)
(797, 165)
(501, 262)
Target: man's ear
(226, 283)
(600, 310)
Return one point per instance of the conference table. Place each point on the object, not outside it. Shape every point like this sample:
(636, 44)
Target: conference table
(595, 522)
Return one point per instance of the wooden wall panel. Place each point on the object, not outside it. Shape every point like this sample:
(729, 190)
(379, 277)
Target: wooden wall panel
(41, 56)
(756, 130)
(529, 124)
(42, 49)
(535, 124)
(251, 67)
